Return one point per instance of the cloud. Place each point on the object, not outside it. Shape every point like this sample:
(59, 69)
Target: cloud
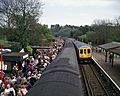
(79, 12)
(80, 2)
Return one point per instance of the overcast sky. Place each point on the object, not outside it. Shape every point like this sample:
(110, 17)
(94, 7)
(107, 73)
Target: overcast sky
(78, 12)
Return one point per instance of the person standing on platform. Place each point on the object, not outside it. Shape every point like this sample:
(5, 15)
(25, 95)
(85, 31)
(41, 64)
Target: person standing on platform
(110, 57)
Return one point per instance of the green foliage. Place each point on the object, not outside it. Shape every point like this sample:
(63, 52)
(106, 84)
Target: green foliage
(105, 33)
(102, 31)
(18, 17)
(40, 34)
(29, 49)
(3, 40)
(15, 46)
(65, 31)
(83, 38)
(55, 29)
(90, 35)
(19, 23)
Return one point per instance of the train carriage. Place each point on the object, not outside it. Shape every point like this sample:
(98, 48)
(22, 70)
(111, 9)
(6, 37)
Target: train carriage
(61, 77)
(84, 51)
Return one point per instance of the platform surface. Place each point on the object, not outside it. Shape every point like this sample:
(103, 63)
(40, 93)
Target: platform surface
(113, 72)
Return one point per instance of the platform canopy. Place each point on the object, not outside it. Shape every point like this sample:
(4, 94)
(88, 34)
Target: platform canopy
(109, 46)
(113, 47)
(115, 51)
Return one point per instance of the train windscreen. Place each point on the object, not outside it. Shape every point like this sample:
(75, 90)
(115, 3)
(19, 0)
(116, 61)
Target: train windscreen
(88, 51)
(81, 51)
(84, 51)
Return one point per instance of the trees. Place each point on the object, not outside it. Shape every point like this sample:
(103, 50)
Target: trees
(101, 31)
(117, 21)
(38, 34)
(105, 31)
(18, 16)
(14, 13)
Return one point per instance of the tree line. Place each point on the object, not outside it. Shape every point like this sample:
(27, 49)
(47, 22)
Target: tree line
(19, 22)
(100, 32)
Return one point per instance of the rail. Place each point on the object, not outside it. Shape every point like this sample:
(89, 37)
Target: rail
(97, 81)
(108, 78)
(92, 82)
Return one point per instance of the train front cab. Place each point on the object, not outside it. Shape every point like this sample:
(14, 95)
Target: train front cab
(85, 55)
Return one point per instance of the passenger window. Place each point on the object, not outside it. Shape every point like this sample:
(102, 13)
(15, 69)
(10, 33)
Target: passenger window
(88, 51)
(81, 51)
(84, 51)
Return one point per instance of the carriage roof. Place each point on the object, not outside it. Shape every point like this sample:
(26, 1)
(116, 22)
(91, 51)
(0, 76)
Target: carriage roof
(81, 45)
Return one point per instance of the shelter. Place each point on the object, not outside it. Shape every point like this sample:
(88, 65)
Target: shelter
(14, 57)
(113, 47)
(39, 47)
(116, 50)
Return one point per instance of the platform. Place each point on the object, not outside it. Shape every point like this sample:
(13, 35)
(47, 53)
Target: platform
(113, 72)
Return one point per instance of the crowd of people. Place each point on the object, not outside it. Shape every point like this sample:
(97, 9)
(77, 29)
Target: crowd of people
(22, 79)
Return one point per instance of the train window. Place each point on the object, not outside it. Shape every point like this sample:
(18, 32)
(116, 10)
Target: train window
(81, 51)
(88, 51)
(84, 51)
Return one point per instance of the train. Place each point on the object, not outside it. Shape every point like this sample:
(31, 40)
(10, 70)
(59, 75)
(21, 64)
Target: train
(62, 77)
(83, 50)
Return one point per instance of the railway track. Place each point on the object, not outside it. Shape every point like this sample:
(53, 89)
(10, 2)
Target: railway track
(93, 84)
(97, 84)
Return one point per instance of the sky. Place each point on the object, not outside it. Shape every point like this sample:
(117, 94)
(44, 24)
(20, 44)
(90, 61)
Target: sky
(78, 12)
